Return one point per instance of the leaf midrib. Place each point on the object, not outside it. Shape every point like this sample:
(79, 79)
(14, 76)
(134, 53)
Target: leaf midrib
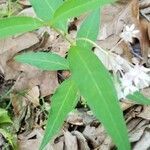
(65, 99)
(53, 62)
(50, 6)
(21, 25)
(88, 31)
(70, 10)
(99, 91)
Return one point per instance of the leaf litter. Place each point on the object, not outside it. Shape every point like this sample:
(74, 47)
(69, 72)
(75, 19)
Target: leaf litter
(31, 89)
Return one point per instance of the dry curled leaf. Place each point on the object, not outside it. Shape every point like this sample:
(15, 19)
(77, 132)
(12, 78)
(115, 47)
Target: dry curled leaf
(33, 96)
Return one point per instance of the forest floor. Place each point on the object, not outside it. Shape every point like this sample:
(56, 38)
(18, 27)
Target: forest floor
(25, 91)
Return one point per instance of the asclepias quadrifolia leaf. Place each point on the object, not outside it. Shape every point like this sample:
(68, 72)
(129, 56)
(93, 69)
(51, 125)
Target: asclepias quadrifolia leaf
(95, 85)
(72, 8)
(44, 61)
(63, 101)
(89, 29)
(45, 8)
(14, 25)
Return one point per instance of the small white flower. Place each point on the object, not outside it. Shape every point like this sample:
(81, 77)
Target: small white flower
(127, 85)
(128, 33)
(133, 80)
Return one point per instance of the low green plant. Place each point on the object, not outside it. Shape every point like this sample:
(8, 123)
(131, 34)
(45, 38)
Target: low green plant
(89, 78)
(5, 123)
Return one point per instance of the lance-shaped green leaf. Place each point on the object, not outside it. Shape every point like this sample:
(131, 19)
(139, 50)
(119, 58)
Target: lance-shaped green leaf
(45, 8)
(72, 8)
(139, 98)
(63, 101)
(44, 61)
(95, 84)
(14, 25)
(89, 29)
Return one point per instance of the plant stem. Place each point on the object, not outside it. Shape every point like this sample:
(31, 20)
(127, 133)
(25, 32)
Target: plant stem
(104, 51)
(93, 43)
(63, 35)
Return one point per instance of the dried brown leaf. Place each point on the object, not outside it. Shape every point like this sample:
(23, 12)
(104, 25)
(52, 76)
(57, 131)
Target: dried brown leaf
(33, 96)
(82, 142)
(70, 141)
(24, 2)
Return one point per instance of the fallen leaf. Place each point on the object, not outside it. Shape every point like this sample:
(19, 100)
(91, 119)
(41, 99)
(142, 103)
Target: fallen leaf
(24, 2)
(33, 96)
(57, 44)
(145, 114)
(137, 132)
(95, 135)
(27, 12)
(74, 119)
(144, 143)
(48, 83)
(19, 109)
(32, 140)
(70, 141)
(9, 47)
(82, 142)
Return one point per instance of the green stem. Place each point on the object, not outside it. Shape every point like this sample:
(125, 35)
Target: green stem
(104, 51)
(61, 33)
(93, 43)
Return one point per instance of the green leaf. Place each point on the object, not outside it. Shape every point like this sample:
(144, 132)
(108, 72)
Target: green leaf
(63, 101)
(89, 29)
(72, 8)
(62, 25)
(139, 98)
(14, 25)
(44, 61)
(4, 118)
(96, 86)
(2, 112)
(8, 136)
(45, 8)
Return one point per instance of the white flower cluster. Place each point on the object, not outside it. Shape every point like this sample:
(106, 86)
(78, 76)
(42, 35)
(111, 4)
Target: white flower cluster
(135, 79)
(131, 77)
